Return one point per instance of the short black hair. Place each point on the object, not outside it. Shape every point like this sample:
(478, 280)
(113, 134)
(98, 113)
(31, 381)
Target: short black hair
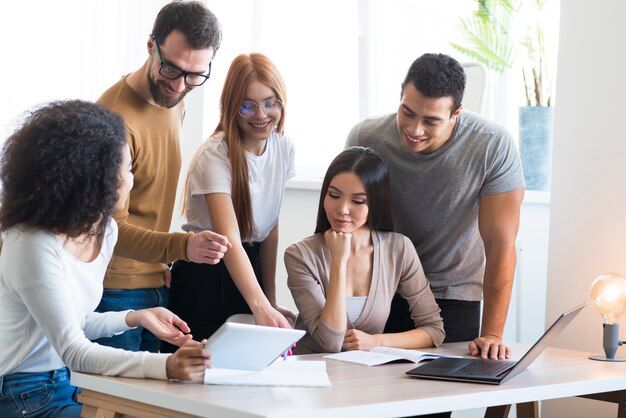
(437, 75)
(371, 168)
(60, 169)
(194, 19)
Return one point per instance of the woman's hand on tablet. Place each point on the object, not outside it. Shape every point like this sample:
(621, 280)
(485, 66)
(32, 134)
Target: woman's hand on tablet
(189, 362)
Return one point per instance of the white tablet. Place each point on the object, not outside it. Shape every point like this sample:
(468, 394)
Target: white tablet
(249, 347)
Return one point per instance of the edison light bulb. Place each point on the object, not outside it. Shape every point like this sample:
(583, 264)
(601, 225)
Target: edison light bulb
(608, 294)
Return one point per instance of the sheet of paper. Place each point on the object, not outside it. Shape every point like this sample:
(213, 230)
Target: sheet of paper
(365, 358)
(279, 373)
(413, 355)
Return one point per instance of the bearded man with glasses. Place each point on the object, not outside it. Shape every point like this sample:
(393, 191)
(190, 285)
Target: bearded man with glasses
(184, 39)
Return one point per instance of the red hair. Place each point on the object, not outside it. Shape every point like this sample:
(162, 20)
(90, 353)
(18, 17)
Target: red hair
(245, 69)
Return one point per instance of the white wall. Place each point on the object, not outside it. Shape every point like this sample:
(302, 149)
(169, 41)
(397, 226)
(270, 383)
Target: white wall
(588, 220)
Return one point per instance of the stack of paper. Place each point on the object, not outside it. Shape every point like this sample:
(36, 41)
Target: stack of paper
(279, 373)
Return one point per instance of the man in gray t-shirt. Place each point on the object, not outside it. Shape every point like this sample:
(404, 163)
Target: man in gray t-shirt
(457, 187)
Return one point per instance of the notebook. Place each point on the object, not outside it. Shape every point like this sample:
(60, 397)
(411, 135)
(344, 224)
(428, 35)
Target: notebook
(492, 371)
(249, 347)
(383, 355)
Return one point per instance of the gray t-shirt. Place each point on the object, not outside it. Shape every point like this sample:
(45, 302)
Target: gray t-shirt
(435, 197)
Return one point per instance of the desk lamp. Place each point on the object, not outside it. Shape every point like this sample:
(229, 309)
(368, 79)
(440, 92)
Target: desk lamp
(608, 294)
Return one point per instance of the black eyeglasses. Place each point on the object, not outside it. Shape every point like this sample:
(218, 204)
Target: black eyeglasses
(172, 72)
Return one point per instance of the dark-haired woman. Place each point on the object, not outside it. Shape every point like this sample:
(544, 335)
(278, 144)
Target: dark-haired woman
(344, 276)
(63, 172)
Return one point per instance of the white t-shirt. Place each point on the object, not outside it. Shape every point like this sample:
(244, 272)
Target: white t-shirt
(209, 172)
(47, 302)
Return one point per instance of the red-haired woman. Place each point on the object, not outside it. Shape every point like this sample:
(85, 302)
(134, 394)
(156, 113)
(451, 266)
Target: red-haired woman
(235, 186)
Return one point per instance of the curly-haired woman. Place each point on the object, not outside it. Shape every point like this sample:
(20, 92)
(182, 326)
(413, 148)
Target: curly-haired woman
(63, 172)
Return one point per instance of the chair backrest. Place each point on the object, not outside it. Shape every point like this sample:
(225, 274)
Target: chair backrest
(475, 86)
(242, 319)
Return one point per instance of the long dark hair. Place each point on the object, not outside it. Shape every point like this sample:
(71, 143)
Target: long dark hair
(60, 169)
(371, 168)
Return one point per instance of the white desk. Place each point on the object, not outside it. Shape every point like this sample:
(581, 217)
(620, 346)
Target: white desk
(383, 391)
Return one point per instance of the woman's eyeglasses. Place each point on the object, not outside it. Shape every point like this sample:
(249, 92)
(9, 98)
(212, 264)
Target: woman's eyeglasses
(270, 108)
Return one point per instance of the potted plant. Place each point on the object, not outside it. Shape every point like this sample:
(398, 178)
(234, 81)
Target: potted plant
(509, 34)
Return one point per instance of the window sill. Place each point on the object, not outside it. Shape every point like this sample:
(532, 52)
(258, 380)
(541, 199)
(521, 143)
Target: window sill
(304, 183)
(532, 197)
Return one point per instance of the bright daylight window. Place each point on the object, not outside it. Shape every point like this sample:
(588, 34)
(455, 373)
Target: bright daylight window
(342, 60)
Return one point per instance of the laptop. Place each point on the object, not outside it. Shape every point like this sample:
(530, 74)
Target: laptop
(249, 347)
(492, 371)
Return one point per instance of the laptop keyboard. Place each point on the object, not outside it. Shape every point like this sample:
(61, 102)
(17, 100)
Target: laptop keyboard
(484, 368)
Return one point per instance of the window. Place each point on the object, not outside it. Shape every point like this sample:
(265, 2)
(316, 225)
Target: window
(342, 60)
(68, 49)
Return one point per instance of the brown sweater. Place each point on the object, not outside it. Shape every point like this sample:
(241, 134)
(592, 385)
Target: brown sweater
(396, 267)
(154, 139)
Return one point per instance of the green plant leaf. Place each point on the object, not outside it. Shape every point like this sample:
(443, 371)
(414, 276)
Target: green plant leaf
(484, 43)
(484, 37)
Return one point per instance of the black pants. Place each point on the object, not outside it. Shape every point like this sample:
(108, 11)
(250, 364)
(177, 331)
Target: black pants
(205, 295)
(461, 318)
(461, 321)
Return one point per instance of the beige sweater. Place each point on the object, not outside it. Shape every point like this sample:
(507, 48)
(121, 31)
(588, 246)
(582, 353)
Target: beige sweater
(396, 267)
(154, 139)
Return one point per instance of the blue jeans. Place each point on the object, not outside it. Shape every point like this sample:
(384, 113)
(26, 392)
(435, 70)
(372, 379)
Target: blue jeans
(45, 394)
(138, 339)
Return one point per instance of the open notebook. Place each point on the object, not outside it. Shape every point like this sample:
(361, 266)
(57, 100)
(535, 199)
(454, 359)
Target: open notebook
(382, 355)
(492, 371)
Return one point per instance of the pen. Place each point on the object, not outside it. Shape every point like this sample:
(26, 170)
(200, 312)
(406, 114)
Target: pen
(288, 352)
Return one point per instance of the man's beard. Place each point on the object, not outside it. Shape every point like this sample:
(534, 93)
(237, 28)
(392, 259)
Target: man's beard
(160, 98)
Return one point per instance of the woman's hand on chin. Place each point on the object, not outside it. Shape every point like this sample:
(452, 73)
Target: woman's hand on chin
(338, 244)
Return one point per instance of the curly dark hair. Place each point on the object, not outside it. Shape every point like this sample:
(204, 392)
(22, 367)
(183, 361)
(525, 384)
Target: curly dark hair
(371, 168)
(437, 75)
(194, 19)
(60, 169)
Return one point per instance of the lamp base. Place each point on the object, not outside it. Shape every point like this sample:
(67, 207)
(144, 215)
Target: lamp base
(601, 357)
